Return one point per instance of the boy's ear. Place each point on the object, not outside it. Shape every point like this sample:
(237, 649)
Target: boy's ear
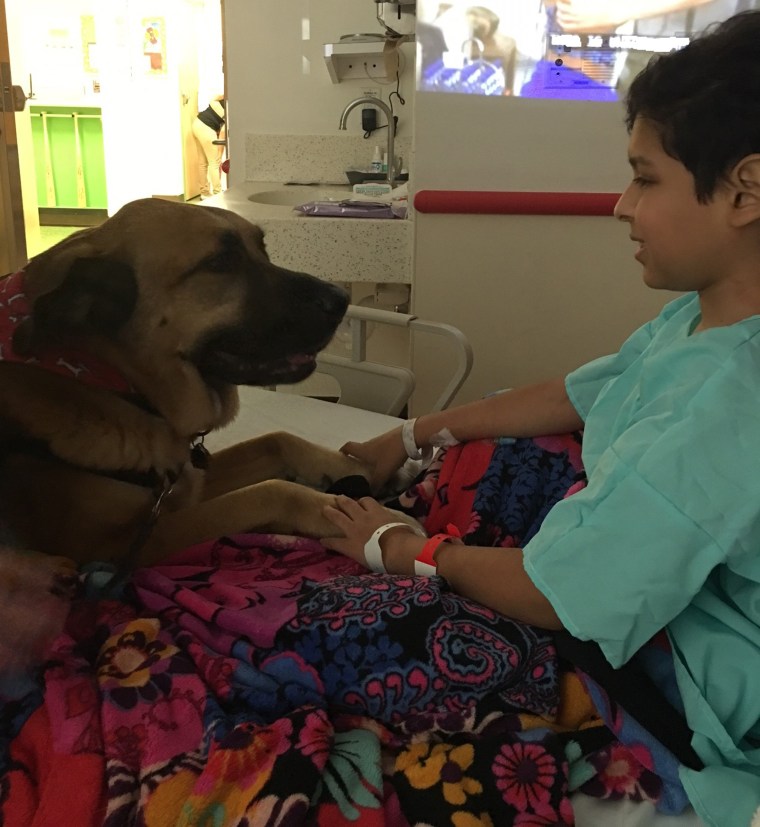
(744, 181)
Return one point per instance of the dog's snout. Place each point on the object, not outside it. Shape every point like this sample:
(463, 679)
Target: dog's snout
(333, 301)
(319, 298)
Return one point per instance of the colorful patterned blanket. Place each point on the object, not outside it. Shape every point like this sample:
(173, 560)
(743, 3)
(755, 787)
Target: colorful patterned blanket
(263, 680)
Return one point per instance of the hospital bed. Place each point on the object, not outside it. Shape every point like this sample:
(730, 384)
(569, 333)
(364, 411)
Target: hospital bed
(378, 394)
(261, 675)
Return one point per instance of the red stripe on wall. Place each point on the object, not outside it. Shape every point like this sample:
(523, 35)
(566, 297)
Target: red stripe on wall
(515, 203)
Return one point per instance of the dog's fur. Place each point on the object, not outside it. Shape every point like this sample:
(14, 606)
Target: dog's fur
(184, 303)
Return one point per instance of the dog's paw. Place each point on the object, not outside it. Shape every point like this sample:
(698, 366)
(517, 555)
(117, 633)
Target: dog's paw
(87, 426)
(35, 596)
(354, 486)
(167, 450)
(136, 441)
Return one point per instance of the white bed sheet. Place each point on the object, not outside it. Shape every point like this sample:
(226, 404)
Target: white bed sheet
(329, 424)
(263, 411)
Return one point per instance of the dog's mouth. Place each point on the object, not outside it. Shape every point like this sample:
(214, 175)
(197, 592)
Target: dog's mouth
(228, 359)
(234, 369)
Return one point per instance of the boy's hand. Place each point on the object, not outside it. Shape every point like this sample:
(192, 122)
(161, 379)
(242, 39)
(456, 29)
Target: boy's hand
(358, 520)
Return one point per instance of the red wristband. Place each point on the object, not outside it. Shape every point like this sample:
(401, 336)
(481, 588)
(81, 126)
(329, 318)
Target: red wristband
(425, 563)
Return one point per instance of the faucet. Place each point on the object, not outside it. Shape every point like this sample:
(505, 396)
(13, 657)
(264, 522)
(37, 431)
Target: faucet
(372, 101)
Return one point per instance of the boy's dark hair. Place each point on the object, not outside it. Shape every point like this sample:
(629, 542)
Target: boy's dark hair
(705, 100)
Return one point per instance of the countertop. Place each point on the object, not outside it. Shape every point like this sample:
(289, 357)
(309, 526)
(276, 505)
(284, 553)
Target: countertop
(335, 249)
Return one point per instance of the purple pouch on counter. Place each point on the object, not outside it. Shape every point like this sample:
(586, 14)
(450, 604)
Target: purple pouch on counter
(346, 209)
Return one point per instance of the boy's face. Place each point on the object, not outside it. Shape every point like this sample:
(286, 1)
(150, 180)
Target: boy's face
(683, 244)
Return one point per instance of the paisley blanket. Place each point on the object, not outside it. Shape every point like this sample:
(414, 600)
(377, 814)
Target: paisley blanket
(263, 680)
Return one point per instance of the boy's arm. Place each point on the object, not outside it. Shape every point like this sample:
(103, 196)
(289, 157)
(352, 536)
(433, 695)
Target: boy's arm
(493, 577)
(535, 410)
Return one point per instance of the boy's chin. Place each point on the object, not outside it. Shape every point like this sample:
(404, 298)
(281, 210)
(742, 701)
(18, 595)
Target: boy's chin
(655, 280)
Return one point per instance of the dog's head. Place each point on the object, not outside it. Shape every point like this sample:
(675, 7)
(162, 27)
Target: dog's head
(185, 302)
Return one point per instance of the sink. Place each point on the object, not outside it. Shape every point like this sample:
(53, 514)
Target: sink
(294, 195)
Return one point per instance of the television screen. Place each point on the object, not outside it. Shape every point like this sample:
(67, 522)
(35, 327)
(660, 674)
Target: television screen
(569, 49)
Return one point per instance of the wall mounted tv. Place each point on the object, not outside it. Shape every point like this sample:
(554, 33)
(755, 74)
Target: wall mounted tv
(564, 49)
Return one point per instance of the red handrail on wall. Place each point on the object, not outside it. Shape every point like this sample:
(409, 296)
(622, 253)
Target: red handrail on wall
(515, 203)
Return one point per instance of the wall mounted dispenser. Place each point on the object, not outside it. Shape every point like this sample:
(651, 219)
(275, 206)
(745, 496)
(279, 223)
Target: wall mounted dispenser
(357, 57)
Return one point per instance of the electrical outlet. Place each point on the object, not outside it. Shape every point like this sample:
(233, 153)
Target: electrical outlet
(371, 92)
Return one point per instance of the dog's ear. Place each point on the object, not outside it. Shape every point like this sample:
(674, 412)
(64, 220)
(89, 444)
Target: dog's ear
(258, 239)
(97, 295)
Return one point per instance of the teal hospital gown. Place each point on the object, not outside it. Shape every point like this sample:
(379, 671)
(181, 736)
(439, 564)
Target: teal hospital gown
(667, 533)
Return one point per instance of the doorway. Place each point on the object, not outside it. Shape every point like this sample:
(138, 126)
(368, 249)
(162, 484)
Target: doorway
(112, 92)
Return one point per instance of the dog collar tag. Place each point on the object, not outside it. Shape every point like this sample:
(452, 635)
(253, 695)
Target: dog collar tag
(199, 455)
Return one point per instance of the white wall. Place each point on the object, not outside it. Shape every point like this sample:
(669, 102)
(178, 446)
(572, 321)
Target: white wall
(50, 46)
(536, 295)
(277, 82)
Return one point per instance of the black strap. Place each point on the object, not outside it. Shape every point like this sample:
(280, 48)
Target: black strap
(632, 689)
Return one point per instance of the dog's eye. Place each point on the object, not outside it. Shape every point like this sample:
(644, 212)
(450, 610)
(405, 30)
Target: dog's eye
(223, 262)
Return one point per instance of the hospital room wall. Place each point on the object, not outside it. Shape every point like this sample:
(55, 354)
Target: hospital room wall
(536, 295)
(277, 79)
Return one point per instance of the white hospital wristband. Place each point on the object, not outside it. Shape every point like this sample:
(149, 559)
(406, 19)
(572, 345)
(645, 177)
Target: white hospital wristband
(410, 446)
(373, 554)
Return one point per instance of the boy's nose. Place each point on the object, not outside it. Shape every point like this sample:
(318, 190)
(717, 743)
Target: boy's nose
(622, 209)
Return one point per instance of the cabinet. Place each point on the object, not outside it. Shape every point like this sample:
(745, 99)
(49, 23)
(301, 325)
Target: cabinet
(69, 160)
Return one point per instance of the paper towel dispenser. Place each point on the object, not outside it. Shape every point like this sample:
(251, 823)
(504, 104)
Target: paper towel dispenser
(366, 56)
(397, 18)
(357, 57)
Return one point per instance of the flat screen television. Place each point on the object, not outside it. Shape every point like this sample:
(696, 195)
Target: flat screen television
(550, 48)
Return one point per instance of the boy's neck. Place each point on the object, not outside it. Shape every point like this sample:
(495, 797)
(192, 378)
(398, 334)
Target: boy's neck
(729, 302)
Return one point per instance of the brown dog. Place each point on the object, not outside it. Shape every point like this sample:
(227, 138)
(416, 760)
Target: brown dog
(129, 342)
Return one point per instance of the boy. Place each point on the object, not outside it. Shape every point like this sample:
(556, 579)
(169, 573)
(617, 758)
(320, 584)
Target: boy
(667, 533)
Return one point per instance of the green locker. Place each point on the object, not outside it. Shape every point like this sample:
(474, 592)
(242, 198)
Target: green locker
(69, 158)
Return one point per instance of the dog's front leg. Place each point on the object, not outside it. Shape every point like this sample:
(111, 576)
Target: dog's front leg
(278, 455)
(275, 506)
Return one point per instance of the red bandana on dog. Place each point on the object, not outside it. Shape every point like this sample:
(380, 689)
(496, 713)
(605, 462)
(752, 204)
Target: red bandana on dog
(14, 308)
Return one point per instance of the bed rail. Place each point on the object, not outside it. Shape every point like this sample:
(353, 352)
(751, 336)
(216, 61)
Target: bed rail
(387, 388)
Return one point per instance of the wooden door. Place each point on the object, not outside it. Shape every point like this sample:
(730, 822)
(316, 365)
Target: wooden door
(188, 94)
(12, 240)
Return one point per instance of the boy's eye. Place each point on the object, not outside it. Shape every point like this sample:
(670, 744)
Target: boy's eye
(641, 182)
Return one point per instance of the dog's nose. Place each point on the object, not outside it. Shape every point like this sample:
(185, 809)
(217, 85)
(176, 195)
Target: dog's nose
(333, 301)
(328, 299)
(309, 302)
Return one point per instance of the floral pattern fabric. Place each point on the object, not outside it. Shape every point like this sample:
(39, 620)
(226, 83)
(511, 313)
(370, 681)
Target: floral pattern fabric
(263, 680)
